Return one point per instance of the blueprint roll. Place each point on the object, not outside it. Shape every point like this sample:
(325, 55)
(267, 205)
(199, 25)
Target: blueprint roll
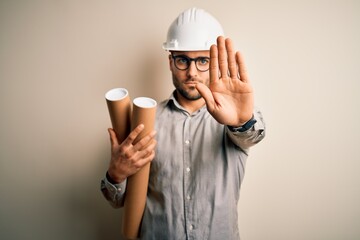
(144, 110)
(119, 106)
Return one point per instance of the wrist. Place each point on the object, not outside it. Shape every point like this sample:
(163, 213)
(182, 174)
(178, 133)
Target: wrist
(245, 126)
(113, 180)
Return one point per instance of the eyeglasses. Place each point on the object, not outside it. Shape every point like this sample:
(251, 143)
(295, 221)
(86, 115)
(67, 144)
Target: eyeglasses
(183, 62)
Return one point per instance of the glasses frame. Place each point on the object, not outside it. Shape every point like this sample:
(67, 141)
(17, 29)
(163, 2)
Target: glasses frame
(189, 60)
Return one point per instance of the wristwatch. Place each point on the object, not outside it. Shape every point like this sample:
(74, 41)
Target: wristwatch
(244, 127)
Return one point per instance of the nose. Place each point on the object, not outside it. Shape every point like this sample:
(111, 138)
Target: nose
(192, 70)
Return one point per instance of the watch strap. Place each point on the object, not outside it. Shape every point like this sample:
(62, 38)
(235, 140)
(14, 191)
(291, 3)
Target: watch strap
(244, 127)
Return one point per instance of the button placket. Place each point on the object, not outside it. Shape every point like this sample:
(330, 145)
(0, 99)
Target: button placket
(187, 176)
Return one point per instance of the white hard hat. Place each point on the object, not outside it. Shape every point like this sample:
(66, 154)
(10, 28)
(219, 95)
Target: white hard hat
(193, 30)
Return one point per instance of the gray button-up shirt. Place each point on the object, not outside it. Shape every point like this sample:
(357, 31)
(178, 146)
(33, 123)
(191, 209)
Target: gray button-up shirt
(195, 177)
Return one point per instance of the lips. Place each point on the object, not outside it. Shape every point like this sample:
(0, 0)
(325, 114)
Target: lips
(191, 83)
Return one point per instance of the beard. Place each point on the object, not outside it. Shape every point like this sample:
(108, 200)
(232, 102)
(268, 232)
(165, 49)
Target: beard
(189, 93)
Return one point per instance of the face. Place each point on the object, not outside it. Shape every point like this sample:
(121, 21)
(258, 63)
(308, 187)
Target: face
(185, 80)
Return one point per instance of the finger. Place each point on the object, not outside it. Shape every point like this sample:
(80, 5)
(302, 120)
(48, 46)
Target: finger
(143, 161)
(214, 66)
(141, 157)
(231, 58)
(144, 141)
(242, 68)
(207, 95)
(113, 138)
(222, 55)
(133, 134)
(131, 150)
(147, 151)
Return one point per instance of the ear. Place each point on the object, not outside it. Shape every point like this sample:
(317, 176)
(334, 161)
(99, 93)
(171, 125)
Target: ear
(170, 62)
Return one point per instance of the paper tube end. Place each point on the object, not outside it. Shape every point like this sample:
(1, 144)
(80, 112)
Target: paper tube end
(116, 94)
(145, 102)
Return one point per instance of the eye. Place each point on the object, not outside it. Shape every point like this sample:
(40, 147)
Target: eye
(203, 60)
(182, 60)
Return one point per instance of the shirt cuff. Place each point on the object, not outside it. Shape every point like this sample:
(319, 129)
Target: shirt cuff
(118, 188)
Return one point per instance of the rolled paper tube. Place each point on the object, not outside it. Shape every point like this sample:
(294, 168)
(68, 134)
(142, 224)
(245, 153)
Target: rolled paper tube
(144, 110)
(119, 106)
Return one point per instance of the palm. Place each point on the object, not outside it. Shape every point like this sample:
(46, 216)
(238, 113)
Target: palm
(232, 101)
(229, 97)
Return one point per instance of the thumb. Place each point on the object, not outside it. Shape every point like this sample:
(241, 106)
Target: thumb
(206, 93)
(113, 137)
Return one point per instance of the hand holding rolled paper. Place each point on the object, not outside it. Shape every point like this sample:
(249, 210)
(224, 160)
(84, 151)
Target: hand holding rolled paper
(127, 158)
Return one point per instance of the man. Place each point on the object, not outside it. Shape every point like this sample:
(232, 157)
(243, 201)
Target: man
(203, 134)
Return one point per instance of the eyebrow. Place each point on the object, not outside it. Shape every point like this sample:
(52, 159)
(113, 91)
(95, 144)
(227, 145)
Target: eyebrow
(183, 55)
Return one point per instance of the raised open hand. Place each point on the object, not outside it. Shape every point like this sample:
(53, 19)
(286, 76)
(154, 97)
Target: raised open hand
(229, 97)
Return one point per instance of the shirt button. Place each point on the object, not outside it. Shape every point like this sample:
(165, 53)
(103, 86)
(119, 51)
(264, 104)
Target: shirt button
(188, 197)
(191, 227)
(187, 142)
(187, 169)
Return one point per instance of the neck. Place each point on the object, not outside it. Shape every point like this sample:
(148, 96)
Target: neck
(190, 105)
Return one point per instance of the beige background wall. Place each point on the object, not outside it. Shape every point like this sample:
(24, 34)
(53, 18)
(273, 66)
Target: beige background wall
(58, 58)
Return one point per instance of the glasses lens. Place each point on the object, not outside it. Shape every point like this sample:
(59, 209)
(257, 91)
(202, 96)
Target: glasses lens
(181, 62)
(202, 63)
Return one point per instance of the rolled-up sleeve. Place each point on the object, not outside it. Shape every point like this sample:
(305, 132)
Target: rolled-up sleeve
(114, 193)
(252, 136)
